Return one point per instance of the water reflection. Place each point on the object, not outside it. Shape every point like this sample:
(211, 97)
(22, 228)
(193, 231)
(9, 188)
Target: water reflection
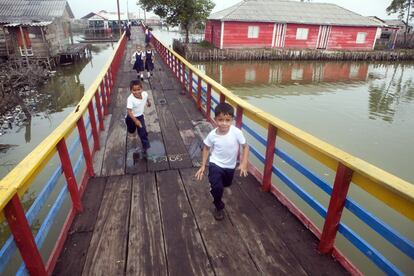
(386, 95)
(285, 73)
(387, 84)
(65, 89)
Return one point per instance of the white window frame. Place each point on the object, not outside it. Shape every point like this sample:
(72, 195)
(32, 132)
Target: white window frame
(253, 32)
(250, 75)
(361, 37)
(302, 33)
(297, 74)
(29, 52)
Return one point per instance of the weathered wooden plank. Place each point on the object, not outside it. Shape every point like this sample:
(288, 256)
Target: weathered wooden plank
(157, 157)
(135, 163)
(176, 151)
(265, 245)
(185, 252)
(108, 247)
(190, 108)
(125, 77)
(115, 149)
(227, 251)
(297, 238)
(146, 252)
(76, 246)
(98, 157)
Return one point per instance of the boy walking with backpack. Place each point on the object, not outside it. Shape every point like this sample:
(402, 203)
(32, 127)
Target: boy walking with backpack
(224, 143)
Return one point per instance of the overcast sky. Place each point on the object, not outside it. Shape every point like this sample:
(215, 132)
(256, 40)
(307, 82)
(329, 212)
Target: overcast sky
(364, 7)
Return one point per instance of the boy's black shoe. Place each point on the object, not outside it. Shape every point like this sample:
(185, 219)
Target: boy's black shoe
(142, 79)
(218, 214)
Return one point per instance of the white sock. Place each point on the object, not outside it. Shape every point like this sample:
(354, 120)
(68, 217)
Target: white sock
(148, 73)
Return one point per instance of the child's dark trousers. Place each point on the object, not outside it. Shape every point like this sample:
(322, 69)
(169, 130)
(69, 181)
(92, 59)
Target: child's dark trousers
(142, 131)
(219, 178)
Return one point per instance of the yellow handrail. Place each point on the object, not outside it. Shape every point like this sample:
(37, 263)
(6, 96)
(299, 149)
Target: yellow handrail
(390, 189)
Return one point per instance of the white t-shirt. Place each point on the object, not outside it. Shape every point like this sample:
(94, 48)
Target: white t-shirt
(137, 105)
(224, 148)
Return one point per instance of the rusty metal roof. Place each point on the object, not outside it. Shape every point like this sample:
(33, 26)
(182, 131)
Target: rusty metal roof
(284, 11)
(26, 11)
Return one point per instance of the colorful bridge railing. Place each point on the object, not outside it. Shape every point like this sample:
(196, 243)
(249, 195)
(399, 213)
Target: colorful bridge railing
(76, 166)
(264, 129)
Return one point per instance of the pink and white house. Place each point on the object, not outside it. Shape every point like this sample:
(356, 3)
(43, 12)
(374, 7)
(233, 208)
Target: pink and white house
(289, 24)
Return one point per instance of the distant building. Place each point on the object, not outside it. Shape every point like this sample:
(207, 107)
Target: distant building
(107, 21)
(36, 29)
(289, 24)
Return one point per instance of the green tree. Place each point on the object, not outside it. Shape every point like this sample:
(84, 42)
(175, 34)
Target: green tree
(404, 9)
(182, 13)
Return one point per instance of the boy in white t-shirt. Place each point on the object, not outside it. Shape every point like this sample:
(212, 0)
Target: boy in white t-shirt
(224, 142)
(135, 108)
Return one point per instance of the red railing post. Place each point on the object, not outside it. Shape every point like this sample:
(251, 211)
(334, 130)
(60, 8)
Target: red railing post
(103, 95)
(239, 116)
(208, 104)
(23, 237)
(70, 177)
(111, 76)
(84, 141)
(178, 67)
(222, 98)
(336, 205)
(95, 135)
(182, 77)
(190, 83)
(199, 92)
(99, 110)
(270, 153)
(107, 91)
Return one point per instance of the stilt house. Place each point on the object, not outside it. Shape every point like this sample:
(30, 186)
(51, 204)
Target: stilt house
(290, 24)
(34, 29)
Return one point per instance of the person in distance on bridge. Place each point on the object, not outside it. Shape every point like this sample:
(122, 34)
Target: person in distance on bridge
(224, 143)
(134, 120)
(149, 60)
(137, 60)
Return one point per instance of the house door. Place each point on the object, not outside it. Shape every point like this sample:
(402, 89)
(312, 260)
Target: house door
(323, 37)
(212, 35)
(280, 34)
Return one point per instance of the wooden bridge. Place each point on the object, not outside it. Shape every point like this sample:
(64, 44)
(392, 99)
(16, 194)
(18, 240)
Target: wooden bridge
(151, 217)
(135, 216)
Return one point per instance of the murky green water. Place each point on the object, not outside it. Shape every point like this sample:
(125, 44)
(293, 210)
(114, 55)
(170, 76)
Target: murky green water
(366, 109)
(63, 93)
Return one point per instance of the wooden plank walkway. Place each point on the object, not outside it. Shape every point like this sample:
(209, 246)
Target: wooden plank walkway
(150, 217)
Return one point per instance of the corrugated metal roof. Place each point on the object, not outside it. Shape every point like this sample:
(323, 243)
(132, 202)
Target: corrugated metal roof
(283, 11)
(32, 10)
(44, 23)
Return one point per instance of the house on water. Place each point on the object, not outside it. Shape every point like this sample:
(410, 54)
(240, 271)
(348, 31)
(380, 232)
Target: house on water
(290, 24)
(104, 21)
(36, 30)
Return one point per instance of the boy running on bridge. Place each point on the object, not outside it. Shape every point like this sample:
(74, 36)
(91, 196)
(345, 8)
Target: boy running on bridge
(135, 118)
(224, 142)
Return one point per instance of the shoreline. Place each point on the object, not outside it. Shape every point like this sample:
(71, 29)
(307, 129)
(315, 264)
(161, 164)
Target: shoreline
(194, 52)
